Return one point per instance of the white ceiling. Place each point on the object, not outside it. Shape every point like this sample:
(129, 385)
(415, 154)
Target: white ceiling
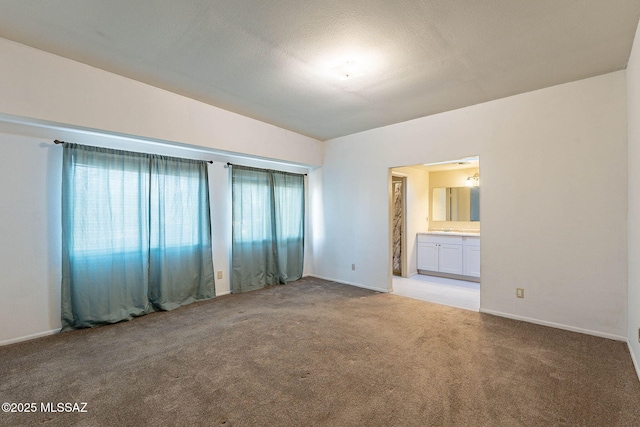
(269, 59)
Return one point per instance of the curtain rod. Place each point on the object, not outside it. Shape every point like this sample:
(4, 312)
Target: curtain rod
(231, 164)
(57, 141)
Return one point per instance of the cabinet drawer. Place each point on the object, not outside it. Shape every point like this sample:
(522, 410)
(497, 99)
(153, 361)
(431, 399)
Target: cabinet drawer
(472, 241)
(431, 238)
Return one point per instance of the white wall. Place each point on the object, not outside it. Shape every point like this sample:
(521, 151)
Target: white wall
(553, 173)
(30, 251)
(45, 97)
(314, 237)
(633, 111)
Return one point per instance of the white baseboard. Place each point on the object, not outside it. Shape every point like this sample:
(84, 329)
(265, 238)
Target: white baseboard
(29, 337)
(344, 282)
(555, 325)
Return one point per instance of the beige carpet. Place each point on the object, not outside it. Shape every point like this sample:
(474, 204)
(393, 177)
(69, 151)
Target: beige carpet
(320, 353)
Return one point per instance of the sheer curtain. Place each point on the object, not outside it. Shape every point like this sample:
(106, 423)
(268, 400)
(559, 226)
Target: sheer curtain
(268, 227)
(136, 235)
(288, 190)
(180, 262)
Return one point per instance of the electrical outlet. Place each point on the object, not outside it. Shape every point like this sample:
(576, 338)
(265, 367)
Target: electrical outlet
(220, 274)
(353, 266)
(520, 292)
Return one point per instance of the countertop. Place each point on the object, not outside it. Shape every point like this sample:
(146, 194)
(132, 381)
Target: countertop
(452, 233)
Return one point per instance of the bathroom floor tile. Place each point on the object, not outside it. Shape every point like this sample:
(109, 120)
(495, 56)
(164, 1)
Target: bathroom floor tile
(439, 290)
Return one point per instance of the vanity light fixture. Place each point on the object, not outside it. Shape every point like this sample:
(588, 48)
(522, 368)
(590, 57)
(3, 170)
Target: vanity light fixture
(473, 181)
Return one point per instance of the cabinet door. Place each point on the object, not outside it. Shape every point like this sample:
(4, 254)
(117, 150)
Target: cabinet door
(428, 256)
(450, 258)
(472, 261)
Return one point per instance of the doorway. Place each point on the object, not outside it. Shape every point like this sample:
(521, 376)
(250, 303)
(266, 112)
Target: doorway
(435, 255)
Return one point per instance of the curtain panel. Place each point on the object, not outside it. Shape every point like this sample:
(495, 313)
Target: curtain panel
(136, 235)
(268, 227)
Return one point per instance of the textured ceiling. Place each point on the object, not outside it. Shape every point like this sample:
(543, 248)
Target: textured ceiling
(270, 59)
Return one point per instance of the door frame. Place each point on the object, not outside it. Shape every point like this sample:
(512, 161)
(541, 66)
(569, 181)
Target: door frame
(391, 173)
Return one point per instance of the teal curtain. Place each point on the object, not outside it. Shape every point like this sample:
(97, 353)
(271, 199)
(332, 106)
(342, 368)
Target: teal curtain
(268, 227)
(288, 212)
(136, 235)
(180, 262)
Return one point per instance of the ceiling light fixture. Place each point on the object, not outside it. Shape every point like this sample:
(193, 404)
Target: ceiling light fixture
(348, 70)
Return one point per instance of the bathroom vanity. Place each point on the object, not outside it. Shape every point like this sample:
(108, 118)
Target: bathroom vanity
(449, 254)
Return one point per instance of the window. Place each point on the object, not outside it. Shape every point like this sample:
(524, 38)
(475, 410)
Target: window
(136, 234)
(268, 227)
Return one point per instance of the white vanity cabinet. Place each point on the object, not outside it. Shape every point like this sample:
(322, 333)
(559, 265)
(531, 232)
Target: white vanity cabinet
(457, 255)
(440, 253)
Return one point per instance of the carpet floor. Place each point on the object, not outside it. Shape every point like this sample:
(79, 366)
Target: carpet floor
(315, 352)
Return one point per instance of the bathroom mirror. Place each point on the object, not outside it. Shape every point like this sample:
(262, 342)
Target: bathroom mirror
(456, 204)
